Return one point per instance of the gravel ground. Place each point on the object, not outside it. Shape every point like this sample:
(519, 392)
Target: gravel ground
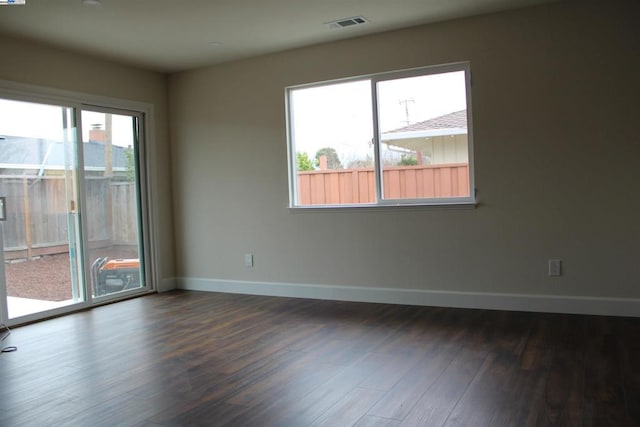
(48, 278)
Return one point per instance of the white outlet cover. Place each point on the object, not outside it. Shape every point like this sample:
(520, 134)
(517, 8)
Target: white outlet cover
(248, 260)
(555, 267)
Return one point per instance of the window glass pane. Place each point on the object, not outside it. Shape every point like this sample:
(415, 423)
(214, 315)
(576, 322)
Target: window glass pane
(424, 150)
(332, 130)
(113, 217)
(38, 181)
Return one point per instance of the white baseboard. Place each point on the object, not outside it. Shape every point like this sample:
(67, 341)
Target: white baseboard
(491, 301)
(167, 284)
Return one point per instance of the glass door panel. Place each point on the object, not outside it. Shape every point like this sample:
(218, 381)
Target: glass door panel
(38, 180)
(112, 202)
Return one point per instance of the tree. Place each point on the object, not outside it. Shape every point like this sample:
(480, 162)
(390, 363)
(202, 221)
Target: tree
(303, 161)
(130, 163)
(333, 161)
(407, 161)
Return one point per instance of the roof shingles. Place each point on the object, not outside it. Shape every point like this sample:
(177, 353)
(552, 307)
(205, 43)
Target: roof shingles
(455, 120)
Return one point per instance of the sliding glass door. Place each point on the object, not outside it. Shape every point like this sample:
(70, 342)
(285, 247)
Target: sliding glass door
(40, 233)
(111, 181)
(71, 223)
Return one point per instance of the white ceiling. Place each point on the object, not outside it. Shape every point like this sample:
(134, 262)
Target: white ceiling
(174, 35)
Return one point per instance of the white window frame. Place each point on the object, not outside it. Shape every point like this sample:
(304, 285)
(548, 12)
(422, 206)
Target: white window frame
(374, 80)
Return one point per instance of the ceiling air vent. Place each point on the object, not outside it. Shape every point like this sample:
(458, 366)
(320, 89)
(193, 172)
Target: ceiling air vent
(346, 22)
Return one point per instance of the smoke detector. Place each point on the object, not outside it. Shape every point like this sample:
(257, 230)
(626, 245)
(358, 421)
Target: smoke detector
(346, 22)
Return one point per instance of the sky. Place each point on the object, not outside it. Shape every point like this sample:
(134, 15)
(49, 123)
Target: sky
(340, 115)
(32, 120)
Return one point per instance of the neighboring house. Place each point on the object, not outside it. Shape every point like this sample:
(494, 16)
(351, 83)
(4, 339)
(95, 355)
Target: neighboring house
(440, 140)
(42, 157)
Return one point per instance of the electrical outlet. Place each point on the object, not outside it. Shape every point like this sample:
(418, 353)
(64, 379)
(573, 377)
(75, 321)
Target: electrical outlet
(248, 260)
(555, 267)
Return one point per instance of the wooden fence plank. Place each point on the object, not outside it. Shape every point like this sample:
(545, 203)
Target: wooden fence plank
(355, 186)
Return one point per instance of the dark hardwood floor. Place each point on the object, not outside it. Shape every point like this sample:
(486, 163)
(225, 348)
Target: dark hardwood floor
(193, 358)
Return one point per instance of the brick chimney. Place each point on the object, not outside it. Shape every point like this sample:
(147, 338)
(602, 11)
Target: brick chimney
(97, 134)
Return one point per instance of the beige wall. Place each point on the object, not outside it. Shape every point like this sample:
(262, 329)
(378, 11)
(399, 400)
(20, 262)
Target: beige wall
(32, 64)
(554, 89)
(447, 149)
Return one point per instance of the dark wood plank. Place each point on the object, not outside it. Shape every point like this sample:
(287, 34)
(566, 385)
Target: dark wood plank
(629, 342)
(502, 393)
(349, 409)
(371, 421)
(559, 391)
(402, 397)
(193, 358)
(436, 404)
(304, 408)
(604, 397)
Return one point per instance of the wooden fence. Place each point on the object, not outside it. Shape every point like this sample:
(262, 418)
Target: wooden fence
(38, 215)
(353, 186)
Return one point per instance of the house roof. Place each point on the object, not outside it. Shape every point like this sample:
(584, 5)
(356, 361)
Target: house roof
(455, 120)
(413, 136)
(34, 153)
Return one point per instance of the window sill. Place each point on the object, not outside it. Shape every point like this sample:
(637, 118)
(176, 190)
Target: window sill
(388, 206)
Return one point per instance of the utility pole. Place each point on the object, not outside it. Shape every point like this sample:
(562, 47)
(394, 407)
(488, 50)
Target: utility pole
(108, 171)
(108, 146)
(406, 103)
